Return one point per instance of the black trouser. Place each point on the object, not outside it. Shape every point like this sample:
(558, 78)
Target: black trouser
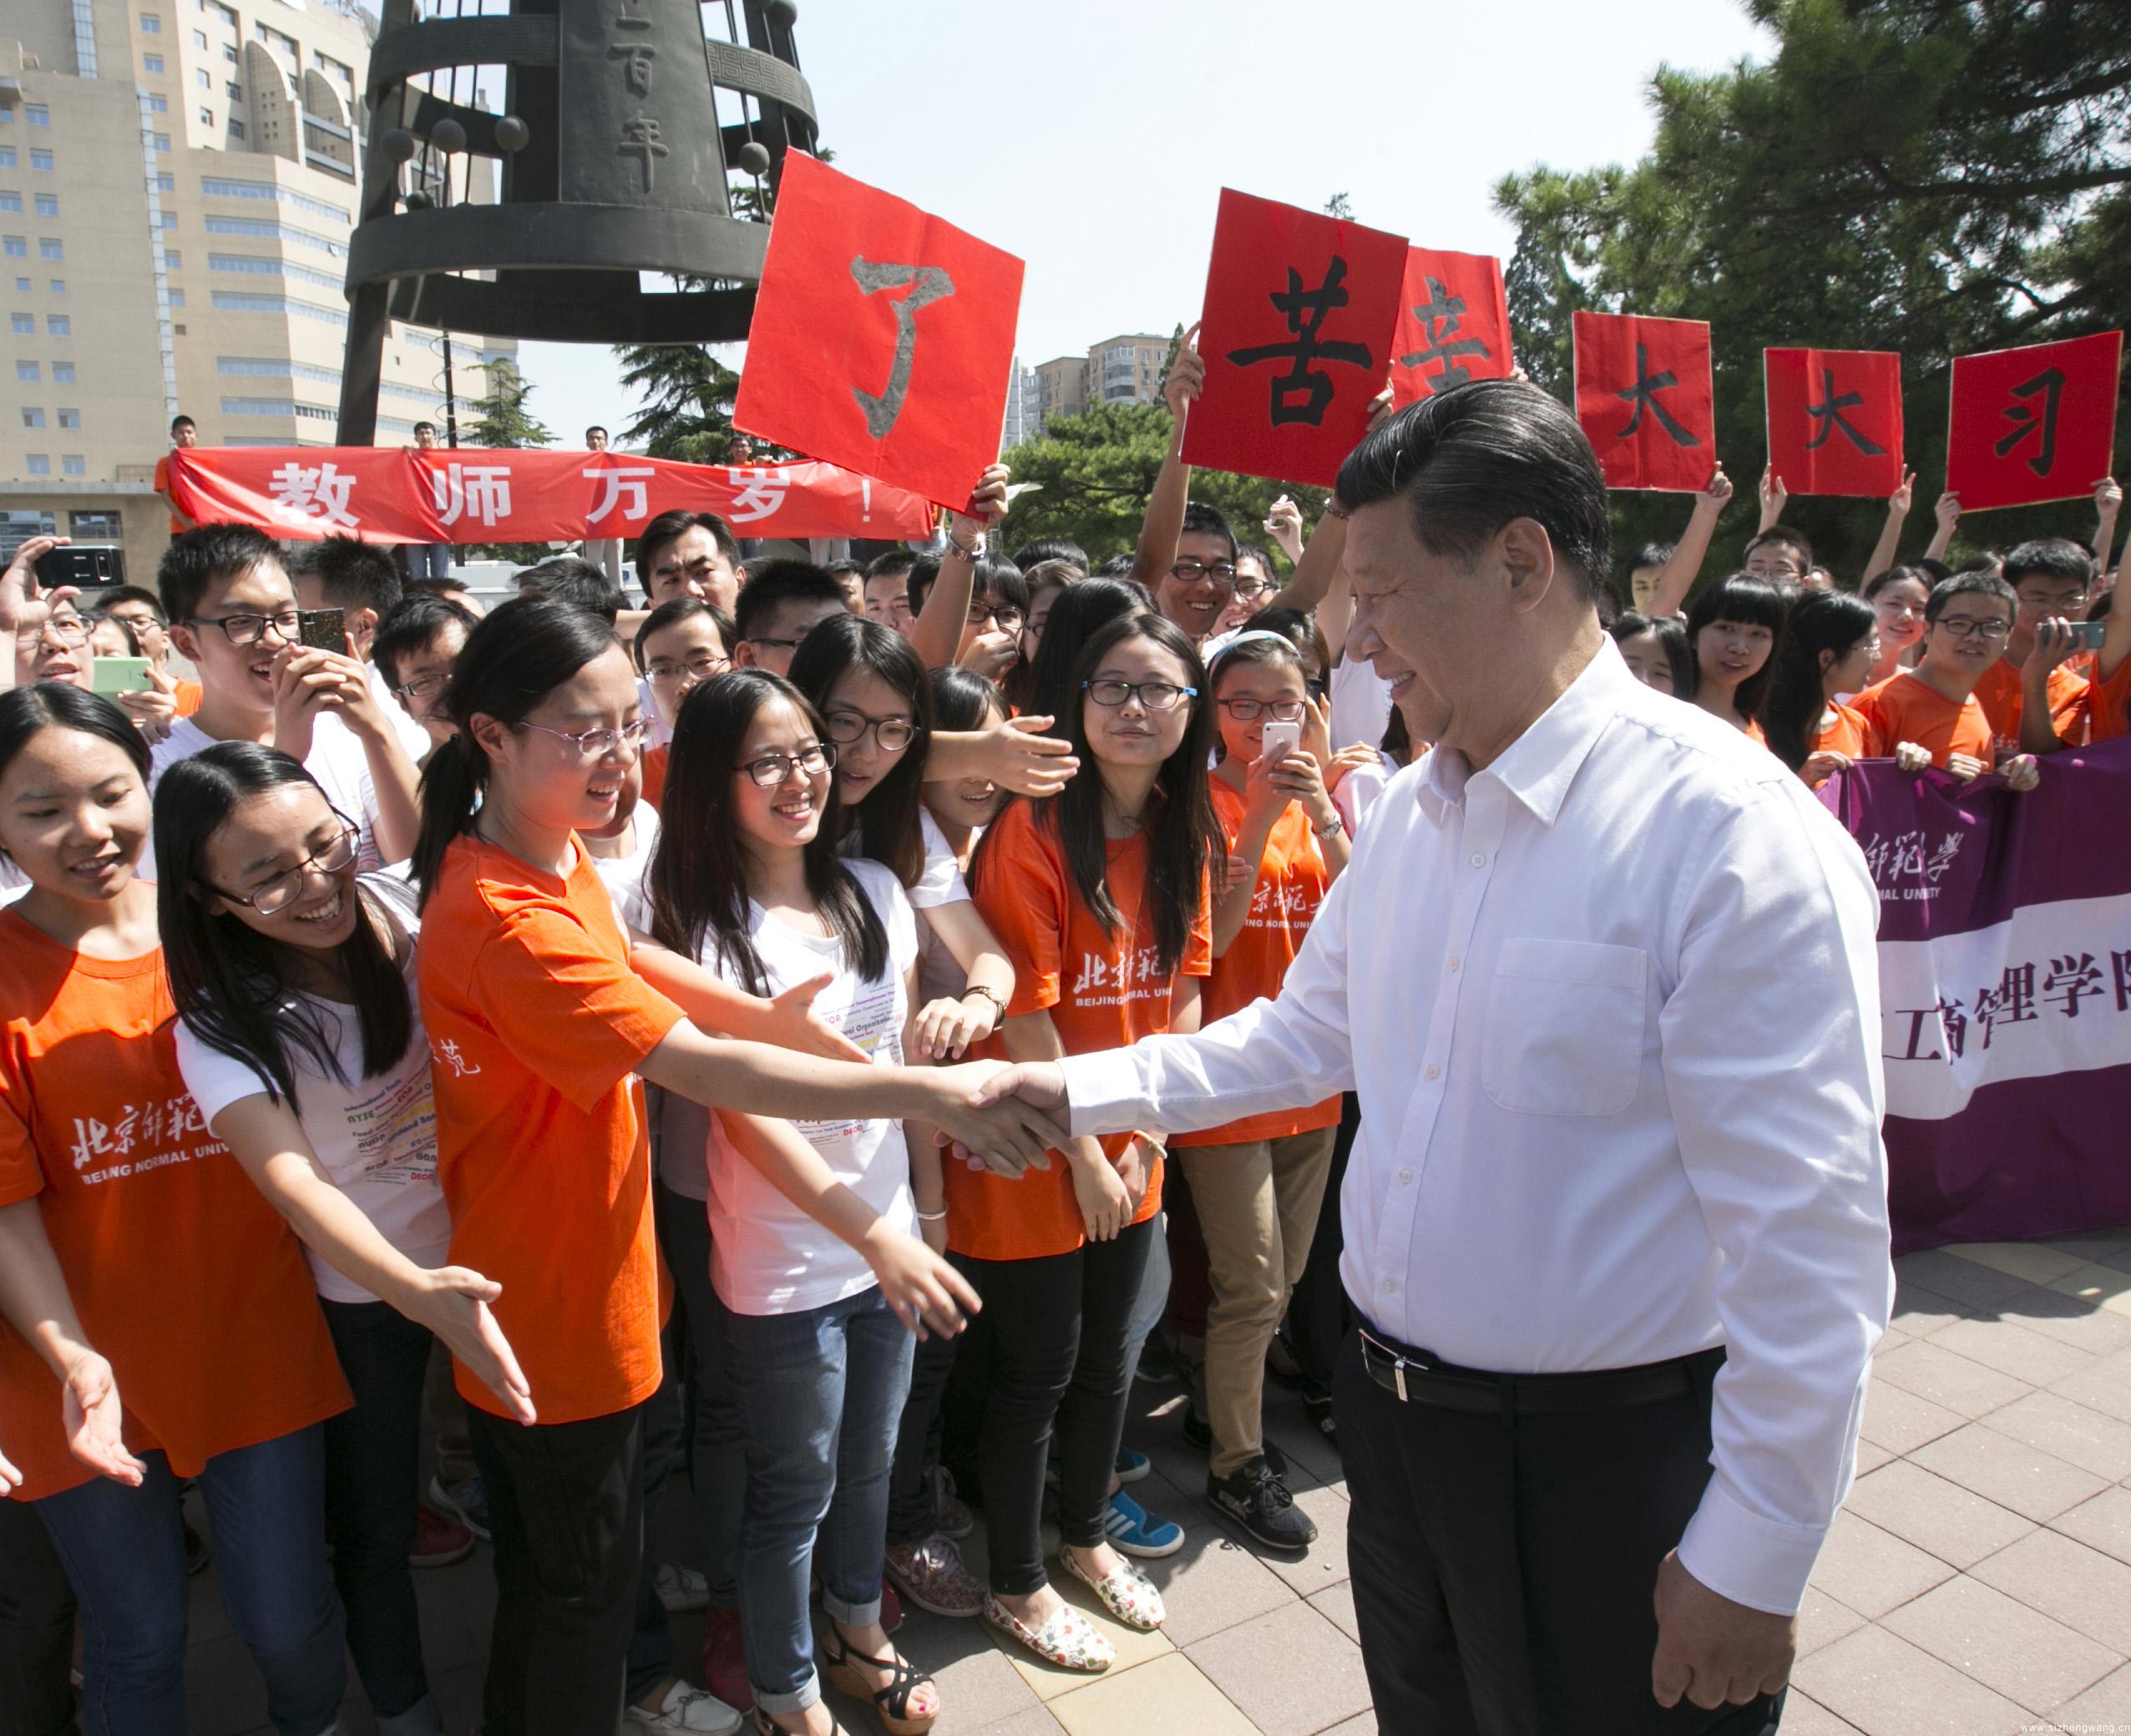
(1503, 1564)
(1317, 1310)
(651, 1644)
(37, 1629)
(1056, 1329)
(566, 1508)
(912, 1507)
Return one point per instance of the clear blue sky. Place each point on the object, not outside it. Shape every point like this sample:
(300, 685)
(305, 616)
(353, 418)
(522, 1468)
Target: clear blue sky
(1092, 137)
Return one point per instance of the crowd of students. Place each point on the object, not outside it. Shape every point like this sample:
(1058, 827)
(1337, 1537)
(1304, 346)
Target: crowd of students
(578, 998)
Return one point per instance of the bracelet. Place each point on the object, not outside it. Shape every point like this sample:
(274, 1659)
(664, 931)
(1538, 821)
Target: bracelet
(991, 994)
(932, 1216)
(969, 552)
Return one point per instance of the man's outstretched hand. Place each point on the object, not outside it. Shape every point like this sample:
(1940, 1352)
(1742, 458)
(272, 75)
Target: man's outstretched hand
(1030, 1094)
(1002, 1130)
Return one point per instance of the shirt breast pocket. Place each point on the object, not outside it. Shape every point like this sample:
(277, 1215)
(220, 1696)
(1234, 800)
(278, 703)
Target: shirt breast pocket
(1563, 1031)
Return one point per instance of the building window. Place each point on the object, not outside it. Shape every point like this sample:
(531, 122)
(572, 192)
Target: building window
(234, 92)
(32, 418)
(178, 300)
(173, 259)
(40, 160)
(228, 53)
(161, 141)
(47, 204)
(166, 184)
(26, 370)
(207, 118)
(169, 220)
(11, 202)
(6, 154)
(93, 526)
(57, 324)
(48, 247)
(69, 418)
(62, 373)
(36, 114)
(23, 325)
(203, 77)
(150, 25)
(22, 286)
(158, 104)
(59, 285)
(14, 246)
(73, 464)
(199, 39)
(236, 128)
(153, 62)
(40, 464)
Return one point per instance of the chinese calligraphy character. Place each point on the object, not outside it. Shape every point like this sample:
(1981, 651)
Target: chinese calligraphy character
(1644, 392)
(762, 493)
(1942, 857)
(1918, 1018)
(1955, 1023)
(641, 135)
(1302, 394)
(1828, 413)
(929, 284)
(2120, 968)
(482, 491)
(626, 19)
(1094, 974)
(2070, 978)
(2012, 1002)
(2049, 386)
(636, 58)
(446, 1054)
(622, 486)
(92, 1141)
(317, 492)
(1444, 345)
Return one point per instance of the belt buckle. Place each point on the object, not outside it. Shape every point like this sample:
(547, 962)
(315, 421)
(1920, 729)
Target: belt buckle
(1399, 1376)
(1400, 1363)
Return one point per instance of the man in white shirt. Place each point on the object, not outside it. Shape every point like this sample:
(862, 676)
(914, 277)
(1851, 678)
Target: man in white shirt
(1602, 974)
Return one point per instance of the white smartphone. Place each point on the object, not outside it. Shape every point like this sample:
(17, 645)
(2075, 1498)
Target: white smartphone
(1280, 740)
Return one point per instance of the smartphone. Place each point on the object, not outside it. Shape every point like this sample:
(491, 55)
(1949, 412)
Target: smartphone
(86, 566)
(1280, 740)
(2087, 636)
(322, 629)
(114, 676)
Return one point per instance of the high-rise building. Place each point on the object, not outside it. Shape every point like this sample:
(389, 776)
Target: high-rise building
(177, 185)
(1122, 370)
(1024, 407)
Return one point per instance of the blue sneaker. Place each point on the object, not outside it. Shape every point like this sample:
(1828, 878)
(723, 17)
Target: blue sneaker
(1130, 1529)
(1132, 1466)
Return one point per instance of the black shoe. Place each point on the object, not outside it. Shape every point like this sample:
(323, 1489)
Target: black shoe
(1259, 1503)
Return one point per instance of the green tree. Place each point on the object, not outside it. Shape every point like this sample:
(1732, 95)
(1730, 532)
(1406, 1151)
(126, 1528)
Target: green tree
(1931, 176)
(501, 419)
(687, 394)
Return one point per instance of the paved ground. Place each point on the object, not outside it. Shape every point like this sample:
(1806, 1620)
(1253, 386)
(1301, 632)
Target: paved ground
(1979, 1580)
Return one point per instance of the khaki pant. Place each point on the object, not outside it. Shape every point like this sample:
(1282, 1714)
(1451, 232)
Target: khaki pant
(1258, 1205)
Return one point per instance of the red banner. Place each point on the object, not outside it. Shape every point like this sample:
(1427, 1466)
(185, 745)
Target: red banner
(1297, 338)
(1453, 324)
(2033, 424)
(883, 336)
(479, 494)
(1834, 420)
(1646, 399)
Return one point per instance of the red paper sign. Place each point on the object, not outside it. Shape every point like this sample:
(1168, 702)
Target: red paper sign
(2033, 424)
(476, 494)
(882, 338)
(1297, 338)
(1453, 324)
(1834, 420)
(1645, 397)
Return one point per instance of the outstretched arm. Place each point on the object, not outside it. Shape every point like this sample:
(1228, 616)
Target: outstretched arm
(1890, 543)
(1677, 577)
(936, 635)
(1164, 523)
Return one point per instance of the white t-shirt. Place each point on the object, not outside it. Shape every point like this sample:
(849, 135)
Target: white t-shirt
(375, 1137)
(1361, 704)
(623, 876)
(768, 1257)
(336, 762)
(940, 882)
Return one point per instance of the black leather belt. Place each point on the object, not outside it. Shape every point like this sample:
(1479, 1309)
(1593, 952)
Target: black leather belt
(1417, 1377)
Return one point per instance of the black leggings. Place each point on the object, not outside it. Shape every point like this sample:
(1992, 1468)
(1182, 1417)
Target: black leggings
(1055, 1329)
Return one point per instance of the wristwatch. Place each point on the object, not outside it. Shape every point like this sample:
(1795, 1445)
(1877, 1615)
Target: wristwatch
(968, 551)
(992, 996)
(1332, 830)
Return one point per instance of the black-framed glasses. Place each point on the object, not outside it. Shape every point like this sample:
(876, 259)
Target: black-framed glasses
(1154, 695)
(1249, 711)
(773, 769)
(1222, 572)
(333, 857)
(1964, 628)
(1005, 616)
(250, 628)
(423, 686)
(695, 669)
(1247, 586)
(891, 735)
(593, 744)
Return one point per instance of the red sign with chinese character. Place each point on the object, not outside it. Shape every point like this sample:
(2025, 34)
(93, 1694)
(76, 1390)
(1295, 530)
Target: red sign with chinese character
(883, 338)
(1834, 420)
(1297, 339)
(1453, 324)
(2033, 424)
(1646, 399)
(476, 494)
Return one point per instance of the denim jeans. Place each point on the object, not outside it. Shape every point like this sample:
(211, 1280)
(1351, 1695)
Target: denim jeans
(717, 1456)
(431, 560)
(123, 1551)
(820, 1394)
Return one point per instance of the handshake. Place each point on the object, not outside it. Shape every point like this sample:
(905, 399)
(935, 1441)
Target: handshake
(1004, 1118)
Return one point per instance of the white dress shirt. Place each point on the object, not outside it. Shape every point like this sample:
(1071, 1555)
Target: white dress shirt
(1611, 1009)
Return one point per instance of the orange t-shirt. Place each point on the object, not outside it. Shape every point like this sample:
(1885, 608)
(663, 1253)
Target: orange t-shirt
(185, 1279)
(1102, 991)
(1906, 708)
(536, 1025)
(189, 696)
(655, 773)
(1999, 694)
(1291, 884)
(1848, 734)
(2108, 702)
(163, 487)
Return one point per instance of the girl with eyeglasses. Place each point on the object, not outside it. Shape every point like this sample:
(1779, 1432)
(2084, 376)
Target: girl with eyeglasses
(164, 1323)
(1099, 894)
(302, 1042)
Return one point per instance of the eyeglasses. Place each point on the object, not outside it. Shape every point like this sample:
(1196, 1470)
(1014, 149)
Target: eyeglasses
(277, 894)
(772, 769)
(67, 629)
(1961, 628)
(1222, 572)
(1249, 711)
(423, 686)
(1004, 616)
(1253, 587)
(891, 735)
(595, 744)
(698, 668)
(1154, 695)
(250, 628)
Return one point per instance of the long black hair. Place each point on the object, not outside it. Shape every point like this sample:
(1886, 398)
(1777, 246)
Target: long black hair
(1184, 834)
(1820, 621)
(521, 651)
(1075, 618)
(1671, 640)
(698, 878)
(886, 822)
(1751, 602)
(228, 980)
(26, 712)
(963, 700)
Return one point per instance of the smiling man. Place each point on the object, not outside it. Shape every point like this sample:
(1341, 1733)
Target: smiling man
(1616, 1236)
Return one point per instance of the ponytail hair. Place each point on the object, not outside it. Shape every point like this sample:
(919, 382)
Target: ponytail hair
(517, 654)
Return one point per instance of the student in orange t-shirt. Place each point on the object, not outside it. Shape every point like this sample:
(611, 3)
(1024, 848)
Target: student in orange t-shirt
(538, 1026)
(1733, 628)
(682, 644)
(2052, 578)
(2105, 705)
(1257, 1184)
(1099, 897)
(1928, 716)
(139, 1266)
(183, 436)
(1831, 643)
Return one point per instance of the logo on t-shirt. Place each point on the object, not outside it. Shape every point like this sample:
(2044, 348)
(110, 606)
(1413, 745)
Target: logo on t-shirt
(447, 1055)
(1276, 906)
(1136, 975)
(105, 1148)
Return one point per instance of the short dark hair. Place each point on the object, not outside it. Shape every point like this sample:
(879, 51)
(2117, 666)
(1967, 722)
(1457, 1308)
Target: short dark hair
(1470, 459)
(419, 426)
(1783, 536)
(2050, 557)
(181, 421)
(668, 526)
(411, 626)
(891, 564)
(1984, 560)
(352, 574)
(1051, 548)
(774, 583)
(204, 553)
(674, 611)
(436, 588)
(106, 600)
(1262, 556)
(1116, 566)
(1975, 583)
(1201, 519)
(574, 579)
(1000, 578)
(1651, 555)
(596, 429)
(837, 569)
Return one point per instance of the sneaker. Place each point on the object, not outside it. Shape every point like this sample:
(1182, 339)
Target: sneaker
(931, 1575)
(954, 1518)
(1132, 1466)
(1258, 1502)
(680, 1588)
(439, 1539)
(725, 1660)
(1129, 1528)
(687, 1708)
(467, 1502)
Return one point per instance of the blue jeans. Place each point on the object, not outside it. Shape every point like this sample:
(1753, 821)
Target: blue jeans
(820, 1394)
(430, 560)
(123, 1551)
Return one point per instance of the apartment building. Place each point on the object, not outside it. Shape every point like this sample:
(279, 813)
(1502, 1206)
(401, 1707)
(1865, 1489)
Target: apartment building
(1124, 369)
